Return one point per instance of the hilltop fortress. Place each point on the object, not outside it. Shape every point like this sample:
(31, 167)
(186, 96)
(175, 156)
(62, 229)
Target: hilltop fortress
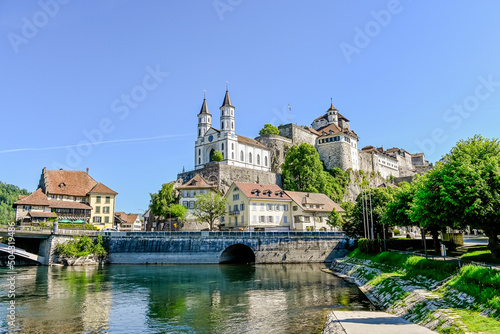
(259, 160)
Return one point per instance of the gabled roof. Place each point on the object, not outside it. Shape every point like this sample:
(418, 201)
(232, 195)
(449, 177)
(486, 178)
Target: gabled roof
(197, 182)
(227, 100)
(250, 141)
(127, 218)
(102, 189)
(68, 182)
(36, 198)
(335, 130)
(56, 204)
(325, 116)
(302, 198)
(262, 191)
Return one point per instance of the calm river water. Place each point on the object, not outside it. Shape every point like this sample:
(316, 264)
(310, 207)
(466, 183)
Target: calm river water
(176, 299)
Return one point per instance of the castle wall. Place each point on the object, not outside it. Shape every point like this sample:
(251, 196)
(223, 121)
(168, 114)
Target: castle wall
(225, 175)
(406, 167)
(297, 134)
(335, 155)
(278, 146)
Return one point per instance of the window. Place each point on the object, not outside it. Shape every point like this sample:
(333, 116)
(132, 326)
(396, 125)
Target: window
(97, 209)
(307, 219)
(199, 151)
(269, 207)
(242, 220)
(236, 197)
(98, 199)
(199, 161)
(277, 207)
(26, 207)
(232, 146)
(108, 199)
(222, 219)
(242, 206)
(262, 219)
(186, 204)
(285, 219)
(254, 206)
(295, 208)
(242, 156)
(258, 159)
(222, 147)
(262, 206)
(232, 155)
(270, 219)
(265, 161)
(106, 219)
(232, 123)
(285, 207)
(250, 157)
(254, 219)
(191, 204)
(235, 221)
(105, 209)
(97, 219)
(235, 207)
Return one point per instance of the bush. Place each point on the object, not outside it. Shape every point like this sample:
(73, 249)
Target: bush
(396, 231)
(369, 246)
(82, 246)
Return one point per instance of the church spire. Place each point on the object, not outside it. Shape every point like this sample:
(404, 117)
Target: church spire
(204, 107)
(227, 99)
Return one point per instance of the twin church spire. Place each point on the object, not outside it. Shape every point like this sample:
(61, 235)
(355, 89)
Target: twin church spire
(226, 117)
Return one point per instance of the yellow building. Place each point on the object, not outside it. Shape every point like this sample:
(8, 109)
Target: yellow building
(256, 207)
(310, 211)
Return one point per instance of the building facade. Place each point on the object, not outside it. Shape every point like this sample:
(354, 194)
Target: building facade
(127, 222)
(256, 207)
(188, 191)
(69, 195)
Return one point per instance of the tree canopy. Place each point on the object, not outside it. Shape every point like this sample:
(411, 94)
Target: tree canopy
(8, 195)
(209, 207)
(304, 171)
(165, 203)
(269, 129)
(217, 156)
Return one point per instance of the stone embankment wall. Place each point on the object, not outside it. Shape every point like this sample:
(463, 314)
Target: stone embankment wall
(415, 300)
(160, 249)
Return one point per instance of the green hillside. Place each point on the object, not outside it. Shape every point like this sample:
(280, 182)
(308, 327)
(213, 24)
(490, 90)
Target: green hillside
(9, 194)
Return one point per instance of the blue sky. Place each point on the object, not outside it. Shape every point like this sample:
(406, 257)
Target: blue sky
(130, 75)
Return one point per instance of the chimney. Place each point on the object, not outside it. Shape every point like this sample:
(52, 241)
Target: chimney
(87, 170)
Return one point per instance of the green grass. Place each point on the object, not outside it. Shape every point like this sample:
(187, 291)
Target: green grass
(478, 254)
(481, 283)
(477, 323)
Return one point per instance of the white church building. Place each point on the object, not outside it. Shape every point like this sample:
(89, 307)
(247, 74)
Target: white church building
(236, 150)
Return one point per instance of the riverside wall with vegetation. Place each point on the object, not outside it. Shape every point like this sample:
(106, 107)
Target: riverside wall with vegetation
(435, 294)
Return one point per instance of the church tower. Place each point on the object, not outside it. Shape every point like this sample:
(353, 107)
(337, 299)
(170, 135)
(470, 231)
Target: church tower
(204, 119)
(227, 115)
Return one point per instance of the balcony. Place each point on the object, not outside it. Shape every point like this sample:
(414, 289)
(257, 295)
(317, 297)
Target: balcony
(234, 212)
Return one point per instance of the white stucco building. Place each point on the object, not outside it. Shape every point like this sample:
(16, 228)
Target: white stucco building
(236, 150)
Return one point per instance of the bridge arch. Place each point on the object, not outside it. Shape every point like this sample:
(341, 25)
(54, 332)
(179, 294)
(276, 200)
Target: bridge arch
(237, 253)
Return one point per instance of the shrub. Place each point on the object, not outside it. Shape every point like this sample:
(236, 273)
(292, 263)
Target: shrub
(369, 246)
(82, 246)
(396, 231)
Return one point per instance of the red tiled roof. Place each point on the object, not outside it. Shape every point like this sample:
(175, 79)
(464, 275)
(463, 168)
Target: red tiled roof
(127, 218)
(196, 182)
(312, 130)
(36, 198)
(35, 214)
(251, 189)
(102, 189)
(325, 117)
(301, 198)
(68, 182)
(68, 205)
(250, 141)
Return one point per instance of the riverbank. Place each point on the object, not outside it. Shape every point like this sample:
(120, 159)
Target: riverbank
(434, 294)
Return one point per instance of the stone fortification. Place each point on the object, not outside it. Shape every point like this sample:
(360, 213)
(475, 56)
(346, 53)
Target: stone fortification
(224, 175)
(278, 146)
(298, 134)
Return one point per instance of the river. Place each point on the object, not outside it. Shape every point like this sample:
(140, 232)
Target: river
(292, 298)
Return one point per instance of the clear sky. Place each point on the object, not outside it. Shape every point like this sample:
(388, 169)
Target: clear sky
(129, 76)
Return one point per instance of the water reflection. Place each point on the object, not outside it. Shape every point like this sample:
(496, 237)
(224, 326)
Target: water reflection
(177, 298)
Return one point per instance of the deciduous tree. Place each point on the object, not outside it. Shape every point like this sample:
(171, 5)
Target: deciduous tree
(269, 129)
(209, 207)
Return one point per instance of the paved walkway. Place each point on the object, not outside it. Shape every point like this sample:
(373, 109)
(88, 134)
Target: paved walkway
(361, 322)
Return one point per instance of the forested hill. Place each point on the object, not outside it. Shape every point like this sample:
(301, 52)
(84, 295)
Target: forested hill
(9, 194)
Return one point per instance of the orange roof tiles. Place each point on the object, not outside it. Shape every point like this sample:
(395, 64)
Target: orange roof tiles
(102, 189)
(72, 183)
(266, 191)
(302, 198)
(196, 182)
(36, 198)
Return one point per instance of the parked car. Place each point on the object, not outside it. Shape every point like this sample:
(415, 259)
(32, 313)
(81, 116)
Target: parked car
(107, 229)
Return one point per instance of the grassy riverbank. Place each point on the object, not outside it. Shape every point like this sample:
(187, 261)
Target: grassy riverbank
(433, 293)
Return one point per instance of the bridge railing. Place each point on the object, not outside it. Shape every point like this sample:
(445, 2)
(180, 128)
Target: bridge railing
(47, 230)
(223, 234)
